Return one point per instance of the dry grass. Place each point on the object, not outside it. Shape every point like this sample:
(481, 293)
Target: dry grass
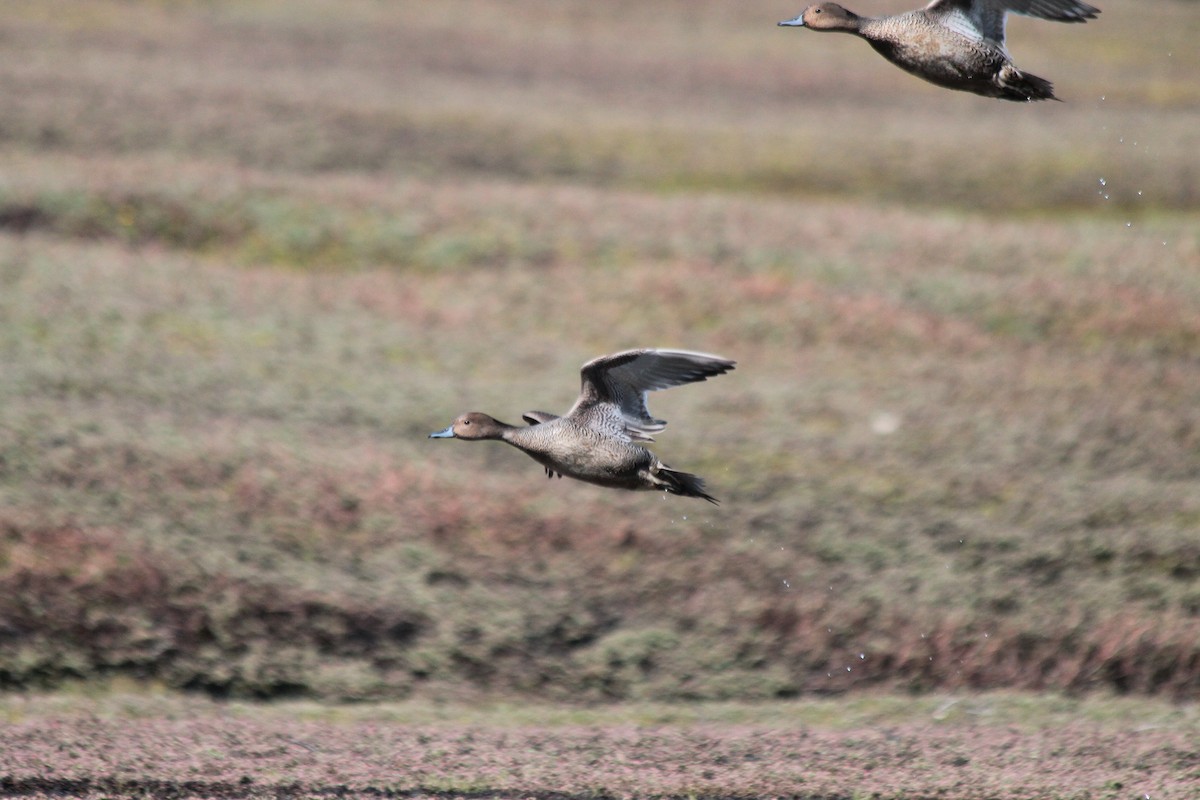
(252, 255)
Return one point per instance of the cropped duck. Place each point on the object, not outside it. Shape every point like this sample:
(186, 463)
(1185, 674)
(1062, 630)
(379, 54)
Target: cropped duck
(958, 44)
(597, 441)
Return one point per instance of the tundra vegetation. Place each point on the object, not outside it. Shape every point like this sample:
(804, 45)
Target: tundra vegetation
(251, 254)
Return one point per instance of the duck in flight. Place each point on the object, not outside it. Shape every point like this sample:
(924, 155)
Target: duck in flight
(598, 440)
(957, 44)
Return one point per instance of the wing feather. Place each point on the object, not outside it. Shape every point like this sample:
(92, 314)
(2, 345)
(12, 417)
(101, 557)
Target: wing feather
(987, 16)
(614, 387)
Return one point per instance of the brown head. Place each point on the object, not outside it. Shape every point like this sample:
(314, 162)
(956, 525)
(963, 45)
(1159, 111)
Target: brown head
(825, 17)
(472, 425)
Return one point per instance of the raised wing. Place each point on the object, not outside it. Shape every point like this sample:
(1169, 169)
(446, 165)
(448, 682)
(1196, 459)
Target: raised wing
(538, 417)
(612, 397)
(987, 16)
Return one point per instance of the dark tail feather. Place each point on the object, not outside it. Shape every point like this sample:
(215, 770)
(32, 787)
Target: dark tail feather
(1026, 88)
(684, 484)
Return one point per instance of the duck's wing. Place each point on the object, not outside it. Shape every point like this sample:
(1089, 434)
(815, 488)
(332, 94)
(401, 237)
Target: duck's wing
(614, 387)
(538, 417)
(985, 18)
(1056, 10)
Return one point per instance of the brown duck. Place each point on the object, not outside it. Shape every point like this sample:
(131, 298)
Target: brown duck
(597, 440)
(958, 44)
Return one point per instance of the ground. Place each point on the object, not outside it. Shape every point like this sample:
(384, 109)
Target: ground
(962, 747)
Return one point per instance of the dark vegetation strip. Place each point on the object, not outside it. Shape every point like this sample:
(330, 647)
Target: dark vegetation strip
(133, 218)
(656, 159)
(264, 229)
(226, 790)
(80, 604)
(249, 789)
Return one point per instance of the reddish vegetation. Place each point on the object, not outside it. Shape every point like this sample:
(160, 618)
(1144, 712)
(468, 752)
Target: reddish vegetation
(79, 604)
(82, 603)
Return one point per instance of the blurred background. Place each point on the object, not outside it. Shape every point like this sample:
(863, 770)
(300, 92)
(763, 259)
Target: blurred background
(252, 253)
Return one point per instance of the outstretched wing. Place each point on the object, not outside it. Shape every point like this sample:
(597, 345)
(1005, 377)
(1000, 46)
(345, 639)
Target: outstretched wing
(612, 397)
(986, 17)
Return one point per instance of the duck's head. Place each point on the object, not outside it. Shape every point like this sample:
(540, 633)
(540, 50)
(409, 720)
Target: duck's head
(472, 425)
(824, 17)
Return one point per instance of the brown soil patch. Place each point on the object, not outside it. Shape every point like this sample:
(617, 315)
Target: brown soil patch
(216, 754)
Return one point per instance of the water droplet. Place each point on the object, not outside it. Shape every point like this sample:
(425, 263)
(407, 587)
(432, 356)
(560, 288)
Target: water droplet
(787, 585)
(1128, 224)
(685, 516)
(1139, 192)
(848, 669)
(1103, 182)
(862, 656)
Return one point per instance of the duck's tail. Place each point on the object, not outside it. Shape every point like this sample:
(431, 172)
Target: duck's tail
(682, 483)
(1023, 87)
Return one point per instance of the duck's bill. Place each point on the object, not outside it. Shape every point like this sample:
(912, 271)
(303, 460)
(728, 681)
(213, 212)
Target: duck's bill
(446, 434)
(798, 22)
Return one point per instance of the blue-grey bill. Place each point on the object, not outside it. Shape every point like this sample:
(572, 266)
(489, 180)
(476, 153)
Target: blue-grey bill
(446, 434)
(798, 22)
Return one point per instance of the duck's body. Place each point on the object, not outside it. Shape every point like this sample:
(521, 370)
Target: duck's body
(956, 44)
(922, 45)
(597, 440)
(565, 447)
